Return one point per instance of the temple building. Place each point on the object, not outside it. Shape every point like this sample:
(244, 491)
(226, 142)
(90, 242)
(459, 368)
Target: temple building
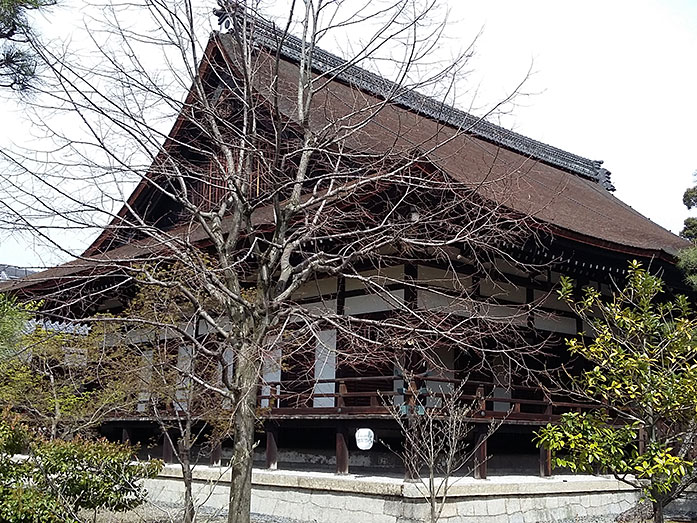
(479, 225)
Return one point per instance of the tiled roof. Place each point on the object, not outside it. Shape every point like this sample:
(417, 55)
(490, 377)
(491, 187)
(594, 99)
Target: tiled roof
(266, 34)
(579, 208)
(63, 327)
(10, 272)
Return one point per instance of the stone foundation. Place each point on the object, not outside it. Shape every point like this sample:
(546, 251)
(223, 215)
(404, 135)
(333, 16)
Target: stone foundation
(327, 498)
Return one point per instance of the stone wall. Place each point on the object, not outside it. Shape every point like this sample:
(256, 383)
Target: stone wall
(327, 498)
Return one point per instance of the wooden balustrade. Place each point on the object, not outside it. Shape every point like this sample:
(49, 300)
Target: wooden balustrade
(525, 403)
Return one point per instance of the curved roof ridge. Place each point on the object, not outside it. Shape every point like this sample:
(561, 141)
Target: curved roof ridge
(266, 34)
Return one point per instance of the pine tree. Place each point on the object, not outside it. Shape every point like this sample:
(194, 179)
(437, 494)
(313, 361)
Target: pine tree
(17, 61)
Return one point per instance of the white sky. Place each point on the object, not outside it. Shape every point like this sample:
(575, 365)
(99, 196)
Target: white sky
(613, 81)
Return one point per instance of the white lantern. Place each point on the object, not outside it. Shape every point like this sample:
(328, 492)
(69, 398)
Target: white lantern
(365, 439)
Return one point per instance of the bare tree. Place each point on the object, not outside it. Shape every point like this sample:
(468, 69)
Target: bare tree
(179, 389)
(437, 424)
(290, 176)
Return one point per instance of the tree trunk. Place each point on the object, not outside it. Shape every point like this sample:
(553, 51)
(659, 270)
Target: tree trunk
(241, 469)
(244, 418)
(433, 496)
(187, 475)
(189, 509)
(658, 512)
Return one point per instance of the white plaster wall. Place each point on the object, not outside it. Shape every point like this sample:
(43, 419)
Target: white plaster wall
(434, 277)
(556, 324)
(380, 278)
(321, 306)
(146, 375)
(319, 287)
(184, 360)
(325, 367)
(451, 282)
(434, 301)
(385, 301)
(503, 313)
(550, 300)
(229, 358)
(503, 290)
(501, 393)
(446, 362)
(271, 372)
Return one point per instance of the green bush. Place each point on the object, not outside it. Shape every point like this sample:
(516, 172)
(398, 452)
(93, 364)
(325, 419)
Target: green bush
(92, 474)
(58, 478)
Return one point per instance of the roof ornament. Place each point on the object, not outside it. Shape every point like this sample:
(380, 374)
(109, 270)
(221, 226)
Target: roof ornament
(225, 13)
(602, 176)
(604, 179)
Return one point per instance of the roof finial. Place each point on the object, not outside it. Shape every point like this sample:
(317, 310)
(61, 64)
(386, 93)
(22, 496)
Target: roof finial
(227, 9)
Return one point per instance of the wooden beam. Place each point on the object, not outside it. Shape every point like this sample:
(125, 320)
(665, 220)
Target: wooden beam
(271, 446)
(481, 435)
(342, 453)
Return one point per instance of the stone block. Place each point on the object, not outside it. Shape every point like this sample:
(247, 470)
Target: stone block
(416, 510)
(465, 508)
(394, 507)
(512, 505)
(598, 500)
(531, 503)
(481, 507)
(496, 506)
(449, 510)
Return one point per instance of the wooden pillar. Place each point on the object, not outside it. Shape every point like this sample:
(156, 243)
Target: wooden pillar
(216, 456)
(480, 457)
(411, 276)
(167, 451)
(545, 462)
(642, 440)
(342, 453)
(530, 300)
(271, 447)
(549, 406)
(481, 401)
(342, 392)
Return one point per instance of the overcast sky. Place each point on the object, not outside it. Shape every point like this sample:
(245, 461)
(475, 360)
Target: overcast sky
(612, 80)
(616, 82)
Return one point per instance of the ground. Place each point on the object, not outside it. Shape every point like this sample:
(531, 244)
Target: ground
(157, 513)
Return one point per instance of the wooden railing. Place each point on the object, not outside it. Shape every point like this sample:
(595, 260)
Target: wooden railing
(374, 395)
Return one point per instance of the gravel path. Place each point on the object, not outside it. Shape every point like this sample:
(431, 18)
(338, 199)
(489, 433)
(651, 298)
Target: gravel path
(151, 513)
